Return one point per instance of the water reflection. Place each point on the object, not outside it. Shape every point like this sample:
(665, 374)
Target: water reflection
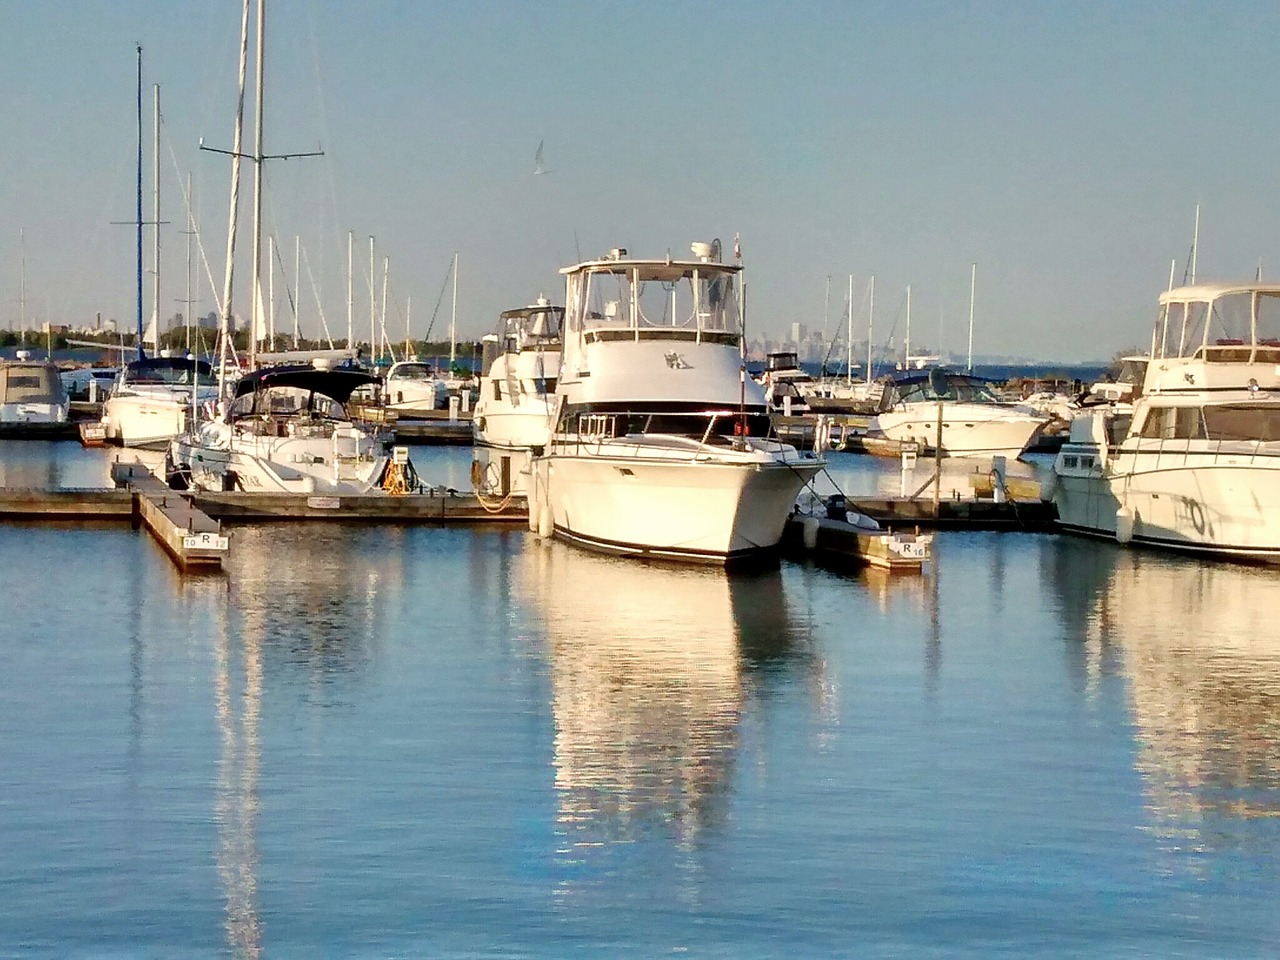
(1196, 644)
(309, 593)
(650, 667)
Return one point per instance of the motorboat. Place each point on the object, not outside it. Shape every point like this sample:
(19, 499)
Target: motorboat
(1192, 461)
(414, 388)
(786, 384)
(152, 400)
(286, 430)
(31, 392)
(974, 421)
(513, 414)
(662, 446)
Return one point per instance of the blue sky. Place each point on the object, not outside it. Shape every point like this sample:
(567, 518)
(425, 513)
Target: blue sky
(1062, 147)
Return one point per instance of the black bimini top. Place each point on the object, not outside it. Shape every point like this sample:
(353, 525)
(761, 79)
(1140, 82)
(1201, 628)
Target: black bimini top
(337, 383)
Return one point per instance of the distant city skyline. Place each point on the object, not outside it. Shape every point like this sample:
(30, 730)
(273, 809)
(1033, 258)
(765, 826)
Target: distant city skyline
(1062, 147)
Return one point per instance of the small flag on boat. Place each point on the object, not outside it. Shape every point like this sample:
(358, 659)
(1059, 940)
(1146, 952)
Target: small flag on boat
(737, 247)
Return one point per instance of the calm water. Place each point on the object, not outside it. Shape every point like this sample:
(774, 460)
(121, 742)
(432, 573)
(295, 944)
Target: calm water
(381, 742)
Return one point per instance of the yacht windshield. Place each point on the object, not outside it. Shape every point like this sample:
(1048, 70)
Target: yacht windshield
(687, 296)
(412, 371)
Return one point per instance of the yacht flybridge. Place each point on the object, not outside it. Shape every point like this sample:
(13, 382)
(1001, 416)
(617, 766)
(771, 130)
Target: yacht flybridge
(661, 446)
(1194, 463)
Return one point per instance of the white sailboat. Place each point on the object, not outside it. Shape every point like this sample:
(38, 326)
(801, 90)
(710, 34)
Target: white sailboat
(286, 428)
(661, 445)
(153, 397)
(1193, 462)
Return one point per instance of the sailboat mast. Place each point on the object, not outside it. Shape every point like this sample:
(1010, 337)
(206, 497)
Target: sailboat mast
(848, 361)
(973, 286)
(871, 316)
(826, 313)
(191, 232)
(386, 269)
(297, 286)
(271, 291)
(350, 303)
(255, 285)
(453, 320)
(22, 285)
(141, 352)
(906, 343)
(155, 177)
(1195, 244)
(224, 325)
(373, 319)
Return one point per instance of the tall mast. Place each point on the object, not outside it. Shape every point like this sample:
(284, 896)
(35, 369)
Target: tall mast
(297, 286)
(155, 306)
(906, 343)
(255, 284)
(22, 284)
(826, 312)
(271, 291)
(224, 323)
(1195, 244)
(350, 303)
(973, 286)
(373, 333)
(453, 320)
(141, 351)
(191, 232)
(871, 316)
(848, 362)
(386, 269)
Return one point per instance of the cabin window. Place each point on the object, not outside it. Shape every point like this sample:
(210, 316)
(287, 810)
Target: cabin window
(1070, 462)
(1242, 422)
(1173, 423)
(497, 390)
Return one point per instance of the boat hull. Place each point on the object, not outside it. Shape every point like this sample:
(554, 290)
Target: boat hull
(694, 510)
(351, 465)
(1204, 503)
(968, 430)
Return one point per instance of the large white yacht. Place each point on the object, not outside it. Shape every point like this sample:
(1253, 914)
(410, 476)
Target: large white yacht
(286, 431)
(31, 392)
(975, 423)
(517, 397)
(661, 444)
(152, 400)
(1194, 464)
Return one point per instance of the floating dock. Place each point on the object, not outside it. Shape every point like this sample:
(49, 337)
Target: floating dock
(954, 513)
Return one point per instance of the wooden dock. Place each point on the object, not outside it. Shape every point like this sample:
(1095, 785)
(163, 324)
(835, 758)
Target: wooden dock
(436, 428)
(191, 537)
(439, 507)
(967, 514)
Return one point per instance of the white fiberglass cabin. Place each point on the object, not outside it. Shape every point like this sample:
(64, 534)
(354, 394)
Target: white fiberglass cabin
(974, 421)
(153, 399)
(31, 392)
(413, 388)
(1194, 463)
(286, 431)
(513, 414)
(661, 446)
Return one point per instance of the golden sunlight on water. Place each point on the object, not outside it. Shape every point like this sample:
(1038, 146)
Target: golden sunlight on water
(647, 674)
(1198, 646)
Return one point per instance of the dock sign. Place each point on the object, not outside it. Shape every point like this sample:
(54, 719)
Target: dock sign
(205, 541)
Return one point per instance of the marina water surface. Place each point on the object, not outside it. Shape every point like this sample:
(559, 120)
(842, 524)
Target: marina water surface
(370, 741)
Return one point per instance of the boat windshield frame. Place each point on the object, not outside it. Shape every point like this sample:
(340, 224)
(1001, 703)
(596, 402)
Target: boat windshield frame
(653, 299)
(1222, 323)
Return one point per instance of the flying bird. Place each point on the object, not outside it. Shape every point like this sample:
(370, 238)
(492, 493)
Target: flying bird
(539, 163)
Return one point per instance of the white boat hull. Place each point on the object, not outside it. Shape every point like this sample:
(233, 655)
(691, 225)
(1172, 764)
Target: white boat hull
(33, 412)
(968, 430)
(343, 464)
(1201, 502)
(147, 422)
(621, 499)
